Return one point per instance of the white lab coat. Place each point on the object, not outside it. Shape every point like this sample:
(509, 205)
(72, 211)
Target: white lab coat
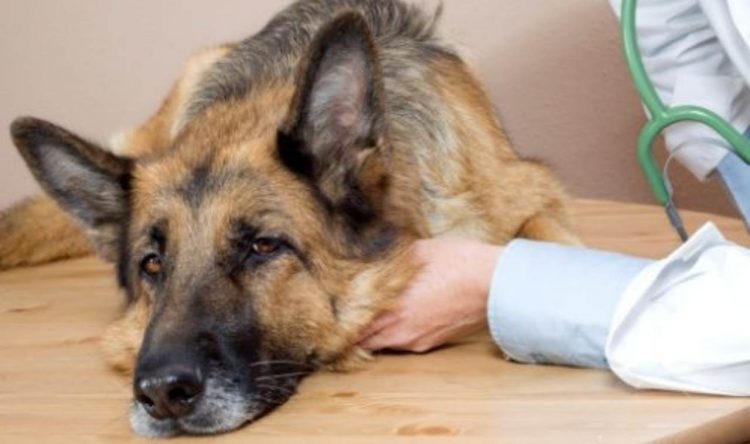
(696, 53)
(681, 324)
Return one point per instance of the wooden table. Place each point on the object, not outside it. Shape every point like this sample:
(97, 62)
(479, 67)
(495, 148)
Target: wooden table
(54, 387)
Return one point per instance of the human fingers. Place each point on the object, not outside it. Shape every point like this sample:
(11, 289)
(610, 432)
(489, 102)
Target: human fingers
(380, 323)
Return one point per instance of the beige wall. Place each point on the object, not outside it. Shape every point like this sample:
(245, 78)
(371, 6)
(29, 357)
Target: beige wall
(553, 70)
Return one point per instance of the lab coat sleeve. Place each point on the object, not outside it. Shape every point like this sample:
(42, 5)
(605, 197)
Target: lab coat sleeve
(553, 304)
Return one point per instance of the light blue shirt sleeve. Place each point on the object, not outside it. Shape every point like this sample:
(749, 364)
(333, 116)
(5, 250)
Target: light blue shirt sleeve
(735, 174)
(553, 304)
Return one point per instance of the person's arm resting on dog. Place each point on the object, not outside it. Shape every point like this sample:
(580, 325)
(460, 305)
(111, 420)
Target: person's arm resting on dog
(679, 323)
(545, 303)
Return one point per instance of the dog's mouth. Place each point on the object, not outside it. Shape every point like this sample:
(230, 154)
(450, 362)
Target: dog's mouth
(226, 403)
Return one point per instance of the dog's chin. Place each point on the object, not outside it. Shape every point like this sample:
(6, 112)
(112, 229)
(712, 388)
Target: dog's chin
(220, 410)
(145, 425)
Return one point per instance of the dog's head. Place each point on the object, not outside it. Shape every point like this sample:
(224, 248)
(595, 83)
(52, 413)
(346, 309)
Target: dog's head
(256, 247)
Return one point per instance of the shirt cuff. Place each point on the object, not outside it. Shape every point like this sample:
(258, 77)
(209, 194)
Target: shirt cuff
(553, 304)
(735, 174)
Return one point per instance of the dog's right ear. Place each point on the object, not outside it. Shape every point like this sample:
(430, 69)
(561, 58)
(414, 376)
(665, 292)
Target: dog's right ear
(87, 181)
(334, 134)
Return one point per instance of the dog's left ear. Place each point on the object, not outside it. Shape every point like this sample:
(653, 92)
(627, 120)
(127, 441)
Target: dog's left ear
(334, 134)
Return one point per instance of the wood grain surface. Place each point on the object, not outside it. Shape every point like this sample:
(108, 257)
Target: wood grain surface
(54, 386)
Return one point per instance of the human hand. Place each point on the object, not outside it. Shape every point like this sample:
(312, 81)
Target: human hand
(447, 299)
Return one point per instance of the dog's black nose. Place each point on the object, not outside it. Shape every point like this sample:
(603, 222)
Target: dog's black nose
(169, 392)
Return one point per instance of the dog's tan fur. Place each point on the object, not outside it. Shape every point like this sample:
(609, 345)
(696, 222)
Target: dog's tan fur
(457, 178)
(478, 209)
(357, 280)
(36, 231)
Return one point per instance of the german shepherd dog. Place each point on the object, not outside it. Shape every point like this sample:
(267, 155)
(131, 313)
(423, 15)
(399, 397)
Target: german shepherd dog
(262, 217)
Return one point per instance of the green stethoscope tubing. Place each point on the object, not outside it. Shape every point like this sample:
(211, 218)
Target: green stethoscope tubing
(662, 116)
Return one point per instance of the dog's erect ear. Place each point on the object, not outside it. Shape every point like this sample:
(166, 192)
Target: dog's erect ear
(334, 133)
(88, 182)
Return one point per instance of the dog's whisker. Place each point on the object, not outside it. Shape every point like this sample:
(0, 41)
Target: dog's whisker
(277, 388)
(282, 375)
(281, 362)
(267, 400)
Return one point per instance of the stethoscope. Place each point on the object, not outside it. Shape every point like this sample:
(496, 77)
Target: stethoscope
(662, 116)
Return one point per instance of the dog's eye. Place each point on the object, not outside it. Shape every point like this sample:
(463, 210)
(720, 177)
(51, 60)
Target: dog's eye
(151, 265)
(266, 246)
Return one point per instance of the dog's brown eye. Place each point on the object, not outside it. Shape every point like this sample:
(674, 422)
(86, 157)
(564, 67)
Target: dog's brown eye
(151, 265)
(265, 246)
